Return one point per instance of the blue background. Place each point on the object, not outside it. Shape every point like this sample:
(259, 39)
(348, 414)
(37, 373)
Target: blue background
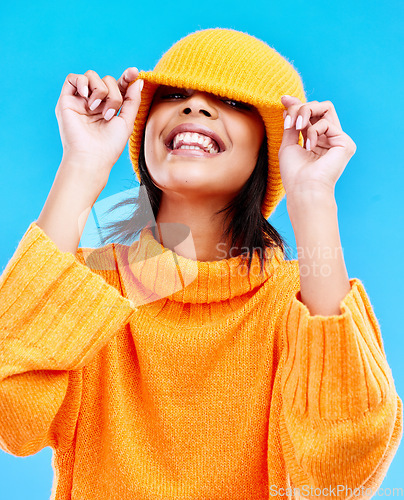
(348, 52)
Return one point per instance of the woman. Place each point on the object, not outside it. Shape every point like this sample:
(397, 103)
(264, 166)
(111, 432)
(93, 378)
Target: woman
(163, 370)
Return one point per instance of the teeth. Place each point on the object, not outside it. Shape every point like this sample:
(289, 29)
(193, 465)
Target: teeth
(190, 147)
(192, 137)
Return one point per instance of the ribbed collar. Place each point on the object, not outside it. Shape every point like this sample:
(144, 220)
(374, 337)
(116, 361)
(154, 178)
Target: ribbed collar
(163, 273)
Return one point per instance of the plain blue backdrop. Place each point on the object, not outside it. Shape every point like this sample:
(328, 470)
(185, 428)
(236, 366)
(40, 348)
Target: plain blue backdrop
(348, 52)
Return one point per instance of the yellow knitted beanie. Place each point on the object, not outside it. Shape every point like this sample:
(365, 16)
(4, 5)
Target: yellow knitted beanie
(228, 63)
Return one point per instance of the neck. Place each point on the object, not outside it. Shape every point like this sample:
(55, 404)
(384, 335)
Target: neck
(191, 228)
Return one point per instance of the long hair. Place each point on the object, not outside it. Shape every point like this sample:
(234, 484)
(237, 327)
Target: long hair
(245, 226)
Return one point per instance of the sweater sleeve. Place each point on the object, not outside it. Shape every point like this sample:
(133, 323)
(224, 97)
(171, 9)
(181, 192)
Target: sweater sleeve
(341, 418)
(55, 315)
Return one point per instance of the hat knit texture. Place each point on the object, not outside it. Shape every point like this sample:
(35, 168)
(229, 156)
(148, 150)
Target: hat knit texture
(232, 64)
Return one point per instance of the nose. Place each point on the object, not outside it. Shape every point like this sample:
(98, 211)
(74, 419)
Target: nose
(200, 103)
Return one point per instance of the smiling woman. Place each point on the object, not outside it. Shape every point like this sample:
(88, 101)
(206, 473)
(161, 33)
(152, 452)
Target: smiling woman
(188, 178)
(168, 368)
(211, 181)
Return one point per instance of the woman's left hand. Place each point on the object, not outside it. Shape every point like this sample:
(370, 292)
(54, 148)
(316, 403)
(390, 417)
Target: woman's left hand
(316, 170)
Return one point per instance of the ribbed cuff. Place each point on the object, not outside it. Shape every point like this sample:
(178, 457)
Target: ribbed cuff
(55, 313)
(335, 366)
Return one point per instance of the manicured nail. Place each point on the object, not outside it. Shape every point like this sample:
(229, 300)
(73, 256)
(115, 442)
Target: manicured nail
(299, 122)
(85, 91)
(141, 83)
(288, 122)
(109, 114)
(308, 144)
(95, 104)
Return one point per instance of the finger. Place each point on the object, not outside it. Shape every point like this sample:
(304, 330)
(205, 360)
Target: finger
(128, 76)
(98, 90)
(288, 100)
(314, 111)
(131, 103)
(290, 134)
(113, 101)
(304, 134)
(333, 133)
(290, 137)
(292, 104)
(75, 85)
(302, 115)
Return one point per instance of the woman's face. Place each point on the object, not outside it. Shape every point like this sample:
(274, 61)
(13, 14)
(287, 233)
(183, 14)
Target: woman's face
(235, 127)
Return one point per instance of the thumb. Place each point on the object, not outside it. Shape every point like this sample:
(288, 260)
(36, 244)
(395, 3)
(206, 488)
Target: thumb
(131, 103)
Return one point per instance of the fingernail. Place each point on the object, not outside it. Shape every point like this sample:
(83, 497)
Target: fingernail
(95, 104)
(299, 122)
(288, 122)
(308, 144)
(109, 114)
(141, 85)
(85, 91)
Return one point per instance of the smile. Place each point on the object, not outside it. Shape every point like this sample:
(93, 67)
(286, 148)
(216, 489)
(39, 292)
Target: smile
(193, 144)
(196, 140)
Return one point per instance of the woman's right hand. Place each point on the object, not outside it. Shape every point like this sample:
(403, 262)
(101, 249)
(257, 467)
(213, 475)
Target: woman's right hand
(93, 137)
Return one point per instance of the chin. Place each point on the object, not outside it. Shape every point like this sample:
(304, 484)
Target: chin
(187, 174)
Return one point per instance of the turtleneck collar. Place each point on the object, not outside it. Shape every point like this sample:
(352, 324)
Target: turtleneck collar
(149, 272)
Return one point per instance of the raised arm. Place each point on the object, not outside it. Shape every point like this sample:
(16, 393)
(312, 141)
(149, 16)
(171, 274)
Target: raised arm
(55, 313)
(341, 418)
(309, 176)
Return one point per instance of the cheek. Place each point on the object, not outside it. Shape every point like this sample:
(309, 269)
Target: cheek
(150, 139)
(147, 143)
(256, 133)
(248, 131)
(249, 140)
(151, 152)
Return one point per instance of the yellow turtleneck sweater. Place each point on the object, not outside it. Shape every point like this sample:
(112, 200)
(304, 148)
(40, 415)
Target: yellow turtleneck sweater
(224, 388)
